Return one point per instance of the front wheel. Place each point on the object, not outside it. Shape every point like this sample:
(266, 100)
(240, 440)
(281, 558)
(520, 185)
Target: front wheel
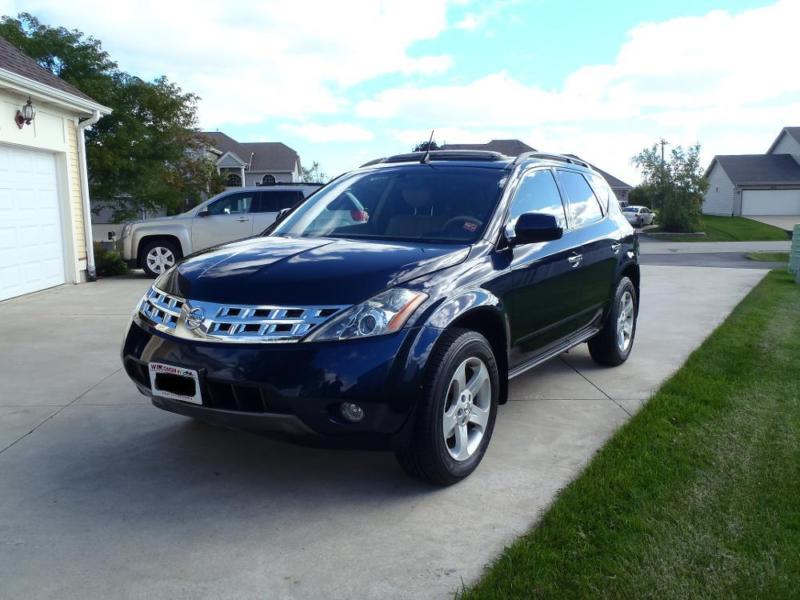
(456, 414)
(612, 346)
(159, 256)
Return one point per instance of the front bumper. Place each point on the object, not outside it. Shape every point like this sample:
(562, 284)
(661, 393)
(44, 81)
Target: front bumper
(290, 390)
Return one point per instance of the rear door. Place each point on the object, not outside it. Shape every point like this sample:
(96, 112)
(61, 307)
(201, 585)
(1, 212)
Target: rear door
(269, 203)
(228, 219)
(541, 298)
(596, 243)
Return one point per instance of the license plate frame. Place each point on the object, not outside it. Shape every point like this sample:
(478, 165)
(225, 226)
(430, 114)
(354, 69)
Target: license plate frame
(156, 368)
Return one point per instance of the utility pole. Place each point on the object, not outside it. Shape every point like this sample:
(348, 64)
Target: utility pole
(663, 143)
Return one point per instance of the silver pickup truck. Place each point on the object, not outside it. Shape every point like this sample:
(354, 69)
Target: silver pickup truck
(156, 244)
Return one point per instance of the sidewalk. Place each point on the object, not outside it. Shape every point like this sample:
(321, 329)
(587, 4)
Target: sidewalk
(648, 246)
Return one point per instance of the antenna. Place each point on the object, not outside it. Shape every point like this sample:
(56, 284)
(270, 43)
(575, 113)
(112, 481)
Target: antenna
(426, 158)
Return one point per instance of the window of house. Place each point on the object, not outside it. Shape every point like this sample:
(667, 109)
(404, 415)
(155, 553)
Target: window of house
(233, 180)
(268, 179)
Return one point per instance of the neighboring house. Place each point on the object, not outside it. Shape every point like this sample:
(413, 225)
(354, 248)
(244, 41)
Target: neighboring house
(45, 230)
(757, 184)
(253, 163)
(517, 147)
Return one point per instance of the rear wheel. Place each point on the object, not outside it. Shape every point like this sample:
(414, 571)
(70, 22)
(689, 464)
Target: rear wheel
(612, 346)
(159, 256)
(455, 417)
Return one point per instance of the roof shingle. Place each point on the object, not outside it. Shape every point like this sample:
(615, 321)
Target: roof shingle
(507, 147)
(266, 156)
(15, 60)
(760, 169)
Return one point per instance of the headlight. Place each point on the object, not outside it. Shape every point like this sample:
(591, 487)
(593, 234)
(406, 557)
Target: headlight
(385, 313)
(126, 230)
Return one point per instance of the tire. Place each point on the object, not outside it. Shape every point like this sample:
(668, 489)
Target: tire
(428, 455)
(168, 252)
(606, 348)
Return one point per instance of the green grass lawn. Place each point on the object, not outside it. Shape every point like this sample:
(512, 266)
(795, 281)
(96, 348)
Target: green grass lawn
(730, 229)
(698, 495)
(782, 257)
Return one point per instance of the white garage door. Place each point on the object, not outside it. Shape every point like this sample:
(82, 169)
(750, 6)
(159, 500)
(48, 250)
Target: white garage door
(771, 202)
(31, 239)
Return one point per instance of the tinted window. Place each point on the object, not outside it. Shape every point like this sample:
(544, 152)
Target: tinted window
(603, 191)
(537, 193)
(235, 204)
(582, 205)
(414, 203)
(277, 200)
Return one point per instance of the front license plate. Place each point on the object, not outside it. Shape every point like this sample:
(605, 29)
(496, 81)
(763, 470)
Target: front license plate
(175, 383)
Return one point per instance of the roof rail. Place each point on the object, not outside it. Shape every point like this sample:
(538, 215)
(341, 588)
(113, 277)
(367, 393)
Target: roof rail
(465, 155)
(549, 156)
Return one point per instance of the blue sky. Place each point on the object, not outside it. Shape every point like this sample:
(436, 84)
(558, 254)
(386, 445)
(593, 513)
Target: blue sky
(348, 81)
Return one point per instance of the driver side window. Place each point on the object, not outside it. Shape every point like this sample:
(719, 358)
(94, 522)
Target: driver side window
(235, 204)
(538, 193)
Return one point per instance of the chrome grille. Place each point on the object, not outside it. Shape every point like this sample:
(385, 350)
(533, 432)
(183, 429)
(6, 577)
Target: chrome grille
(243, 323)
(161, 308)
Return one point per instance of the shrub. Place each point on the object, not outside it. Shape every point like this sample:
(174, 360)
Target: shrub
(108, 262)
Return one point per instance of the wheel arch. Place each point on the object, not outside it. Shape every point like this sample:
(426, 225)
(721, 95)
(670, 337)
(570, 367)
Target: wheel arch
(166, 237)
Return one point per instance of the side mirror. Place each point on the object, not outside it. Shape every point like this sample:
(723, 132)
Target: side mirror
(203, 213)
(535, 227)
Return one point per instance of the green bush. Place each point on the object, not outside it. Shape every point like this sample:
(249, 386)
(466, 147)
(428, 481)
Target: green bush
(108, 262)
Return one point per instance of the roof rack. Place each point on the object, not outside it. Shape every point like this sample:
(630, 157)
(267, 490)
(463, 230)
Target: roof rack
(548, 156)
(466, 155)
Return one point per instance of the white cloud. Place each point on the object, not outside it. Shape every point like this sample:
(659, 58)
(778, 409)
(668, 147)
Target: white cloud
(469, 22)
(339, 132)
(283, 58)
(687, 78)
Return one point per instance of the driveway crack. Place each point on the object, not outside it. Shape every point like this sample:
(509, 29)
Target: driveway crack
(595, 386)
(60, 410)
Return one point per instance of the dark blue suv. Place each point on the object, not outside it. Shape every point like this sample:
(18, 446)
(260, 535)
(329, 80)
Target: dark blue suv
(390, 309)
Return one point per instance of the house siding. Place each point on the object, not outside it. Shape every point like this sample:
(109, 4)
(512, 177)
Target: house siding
(719, 198)
(74, 184)
(787, 145)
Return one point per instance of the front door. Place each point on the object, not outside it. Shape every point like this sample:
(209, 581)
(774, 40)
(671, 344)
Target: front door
(228, 219)
(544, 276)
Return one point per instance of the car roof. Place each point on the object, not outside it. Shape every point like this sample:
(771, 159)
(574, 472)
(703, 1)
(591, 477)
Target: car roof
(479, 158)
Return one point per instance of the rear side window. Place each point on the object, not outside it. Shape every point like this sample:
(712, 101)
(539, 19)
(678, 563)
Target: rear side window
(603, 191)
(274, 201)
(538, 193)
(582, 204)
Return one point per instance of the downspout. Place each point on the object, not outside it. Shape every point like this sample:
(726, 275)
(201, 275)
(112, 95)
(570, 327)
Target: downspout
(91, 272)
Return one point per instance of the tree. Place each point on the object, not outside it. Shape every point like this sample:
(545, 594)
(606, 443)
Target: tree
(313, 174)
(674, 187)
(423, 146)
(146, 154)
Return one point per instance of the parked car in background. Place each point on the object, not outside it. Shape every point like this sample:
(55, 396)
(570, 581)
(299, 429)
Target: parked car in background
(638, 216)
(391, 308)
(155, 245)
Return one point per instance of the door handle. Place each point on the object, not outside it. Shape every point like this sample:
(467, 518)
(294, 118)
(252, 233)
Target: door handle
(242, 219)
(575, 260)
(615, 246)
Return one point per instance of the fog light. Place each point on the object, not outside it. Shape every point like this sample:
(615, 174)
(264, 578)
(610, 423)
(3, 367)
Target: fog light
(351, 412)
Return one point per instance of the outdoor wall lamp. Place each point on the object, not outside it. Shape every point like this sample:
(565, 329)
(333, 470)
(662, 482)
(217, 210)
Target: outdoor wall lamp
(26, 115)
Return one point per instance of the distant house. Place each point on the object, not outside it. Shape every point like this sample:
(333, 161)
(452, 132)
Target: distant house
(757, 184)
(517, 147)
(252, 163)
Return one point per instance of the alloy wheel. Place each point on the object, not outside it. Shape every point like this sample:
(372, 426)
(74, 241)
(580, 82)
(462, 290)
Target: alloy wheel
(466, 408)
(160, 259)
(625, 322)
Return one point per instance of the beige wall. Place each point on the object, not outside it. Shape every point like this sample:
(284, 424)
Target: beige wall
(54, 130)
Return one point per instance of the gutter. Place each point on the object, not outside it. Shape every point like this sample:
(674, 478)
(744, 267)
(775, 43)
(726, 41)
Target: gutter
(87, 209)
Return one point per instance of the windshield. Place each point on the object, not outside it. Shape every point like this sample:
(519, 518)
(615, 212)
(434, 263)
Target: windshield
(409, 203)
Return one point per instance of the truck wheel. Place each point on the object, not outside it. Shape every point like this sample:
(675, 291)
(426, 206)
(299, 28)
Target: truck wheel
(455, 416)
(612, 346)
(159, 256)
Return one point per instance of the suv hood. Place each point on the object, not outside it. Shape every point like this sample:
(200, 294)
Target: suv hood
(304, 271)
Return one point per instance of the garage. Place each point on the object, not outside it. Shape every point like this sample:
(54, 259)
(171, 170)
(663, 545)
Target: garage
(770, 202)
(32, 253)
(45, 235)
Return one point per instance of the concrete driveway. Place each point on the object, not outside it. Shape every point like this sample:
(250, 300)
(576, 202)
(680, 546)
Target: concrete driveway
(102, 495)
